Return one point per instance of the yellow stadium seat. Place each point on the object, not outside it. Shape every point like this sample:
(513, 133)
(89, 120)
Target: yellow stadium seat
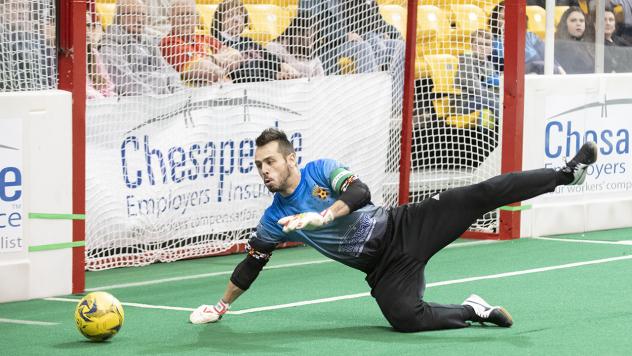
(432, 29)
(463, 121)
(206, 12)
(395, 15)
(442, 68)
(442, 106)
(106, 11)
(467, 19)
(267, 22)
(281, 3)
(537, 20)
(559, 11)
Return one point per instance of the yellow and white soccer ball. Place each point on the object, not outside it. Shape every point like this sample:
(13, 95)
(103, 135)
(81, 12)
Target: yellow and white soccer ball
(99, 316)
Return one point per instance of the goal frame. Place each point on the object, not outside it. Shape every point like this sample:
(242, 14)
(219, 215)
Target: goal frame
(71, 29)
(513, 111)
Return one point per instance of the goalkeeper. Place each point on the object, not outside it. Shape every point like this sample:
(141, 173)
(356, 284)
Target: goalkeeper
(327, 207)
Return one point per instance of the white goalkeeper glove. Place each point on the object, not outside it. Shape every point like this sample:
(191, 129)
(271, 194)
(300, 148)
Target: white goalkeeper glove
(306, 221)
(209, 313)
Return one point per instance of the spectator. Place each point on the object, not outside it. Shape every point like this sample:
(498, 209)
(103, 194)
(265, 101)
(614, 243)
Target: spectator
(98, 83)
(200, 59)
(295, 46)
(26, 61)
(572, 52)
(626, 28)
(132, 61)
(534, 55)
(496, 24)
(158, 24)
(617, 58)
(258, 64)
(476, 77)
(337, 42)
(362, 17)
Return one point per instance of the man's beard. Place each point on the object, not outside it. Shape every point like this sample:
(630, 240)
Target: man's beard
(282, 182)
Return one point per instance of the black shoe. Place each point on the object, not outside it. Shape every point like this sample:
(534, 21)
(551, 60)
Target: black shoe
(577, 166)
(485, 313)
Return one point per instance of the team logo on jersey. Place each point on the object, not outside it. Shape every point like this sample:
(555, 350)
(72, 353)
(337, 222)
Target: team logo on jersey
(320, 192)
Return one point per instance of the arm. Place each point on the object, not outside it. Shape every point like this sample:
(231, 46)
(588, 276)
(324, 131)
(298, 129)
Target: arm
(243, 276)
(354, 194)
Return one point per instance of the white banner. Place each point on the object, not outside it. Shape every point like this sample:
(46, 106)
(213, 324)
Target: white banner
(11, 145)
(182, 166)
(561, 113)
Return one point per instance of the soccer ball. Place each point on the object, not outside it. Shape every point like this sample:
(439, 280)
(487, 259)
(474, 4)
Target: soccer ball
(99, 316)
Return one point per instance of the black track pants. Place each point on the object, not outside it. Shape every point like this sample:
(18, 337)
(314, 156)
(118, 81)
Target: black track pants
(420, 230)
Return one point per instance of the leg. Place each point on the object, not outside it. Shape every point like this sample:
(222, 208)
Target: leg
(447, 215)
(399, 294)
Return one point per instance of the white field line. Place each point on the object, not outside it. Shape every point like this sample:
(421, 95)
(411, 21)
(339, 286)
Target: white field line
(26, 322)
(624, 242)
(366, 294)
(138, 305)
(224, 273)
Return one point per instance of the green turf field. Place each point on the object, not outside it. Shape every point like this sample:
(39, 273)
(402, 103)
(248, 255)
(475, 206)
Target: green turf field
(568, 295)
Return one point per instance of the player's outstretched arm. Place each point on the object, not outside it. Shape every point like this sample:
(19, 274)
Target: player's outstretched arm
(243, 276)
(354, 195)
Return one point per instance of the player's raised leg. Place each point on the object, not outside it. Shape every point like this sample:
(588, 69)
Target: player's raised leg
(448, 214)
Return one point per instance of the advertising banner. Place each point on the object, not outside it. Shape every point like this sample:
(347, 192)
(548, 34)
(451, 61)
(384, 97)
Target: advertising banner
(11, 238)
(562, 113)
(182, 166)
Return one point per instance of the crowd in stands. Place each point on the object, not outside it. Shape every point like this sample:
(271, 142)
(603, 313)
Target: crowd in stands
(27, 51)
(157, 47)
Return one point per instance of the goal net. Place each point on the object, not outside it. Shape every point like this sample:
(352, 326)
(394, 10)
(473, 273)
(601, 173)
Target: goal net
(27, 45)
(178, 91)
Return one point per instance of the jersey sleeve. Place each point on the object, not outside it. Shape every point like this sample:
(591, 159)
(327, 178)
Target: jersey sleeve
(334, 174)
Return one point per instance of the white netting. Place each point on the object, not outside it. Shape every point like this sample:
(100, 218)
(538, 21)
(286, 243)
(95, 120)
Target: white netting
(458, 108)
(179, 90)
(28, 59)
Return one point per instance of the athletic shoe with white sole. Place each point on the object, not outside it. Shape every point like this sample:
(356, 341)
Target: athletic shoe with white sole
(577, 166)
(485, 313)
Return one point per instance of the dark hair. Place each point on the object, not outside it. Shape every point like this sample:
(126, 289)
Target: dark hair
(218, 17)
(562, 27)
(273, 134)
(591, 22)
(492, 22)
(302, 36)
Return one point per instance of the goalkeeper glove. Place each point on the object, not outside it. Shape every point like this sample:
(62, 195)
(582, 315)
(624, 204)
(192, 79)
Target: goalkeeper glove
(209, 313)
(306, 221)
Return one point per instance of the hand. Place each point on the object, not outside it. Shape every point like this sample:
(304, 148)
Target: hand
(306, 221)
(209, 313)
(354, 37)
(287, 72)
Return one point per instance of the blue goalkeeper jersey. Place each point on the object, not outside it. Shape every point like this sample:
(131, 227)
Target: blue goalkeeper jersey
(353, 239)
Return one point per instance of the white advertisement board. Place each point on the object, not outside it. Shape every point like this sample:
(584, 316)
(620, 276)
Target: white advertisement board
(561, 113)
(160, 169)
(11, 146)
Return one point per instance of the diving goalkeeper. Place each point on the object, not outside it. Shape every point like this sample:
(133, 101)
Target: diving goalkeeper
(327, 207)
